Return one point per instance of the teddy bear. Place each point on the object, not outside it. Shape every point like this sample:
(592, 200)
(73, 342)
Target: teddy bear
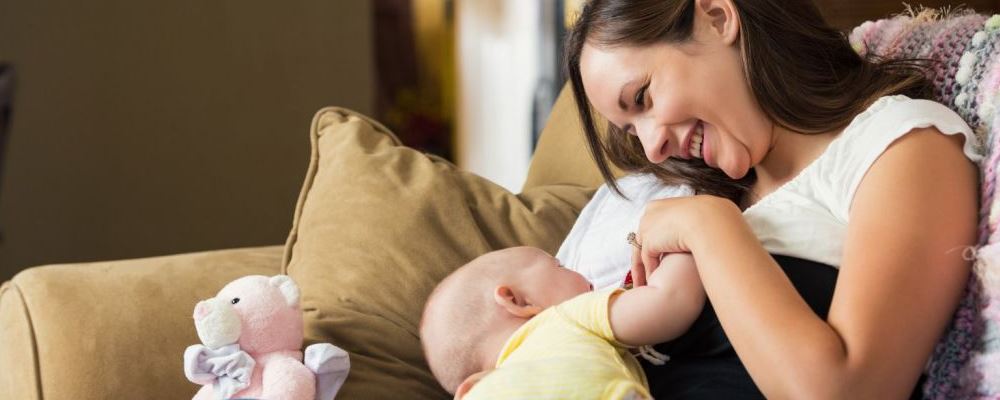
(251, 334)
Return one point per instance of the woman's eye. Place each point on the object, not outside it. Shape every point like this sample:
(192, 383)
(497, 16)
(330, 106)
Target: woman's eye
(640, 96)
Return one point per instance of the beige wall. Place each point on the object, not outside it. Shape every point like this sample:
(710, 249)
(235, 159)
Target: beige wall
(154, 127)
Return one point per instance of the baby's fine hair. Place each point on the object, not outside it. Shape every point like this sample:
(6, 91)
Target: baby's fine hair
(460, 309)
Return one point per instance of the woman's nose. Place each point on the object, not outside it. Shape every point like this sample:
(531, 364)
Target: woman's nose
(654, 142)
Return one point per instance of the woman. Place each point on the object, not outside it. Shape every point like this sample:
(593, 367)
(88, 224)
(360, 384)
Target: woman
(759, 99)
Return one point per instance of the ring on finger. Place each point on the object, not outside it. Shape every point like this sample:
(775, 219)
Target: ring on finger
(633, 241)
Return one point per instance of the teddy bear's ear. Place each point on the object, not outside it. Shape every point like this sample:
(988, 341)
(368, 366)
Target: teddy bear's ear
(288, 289)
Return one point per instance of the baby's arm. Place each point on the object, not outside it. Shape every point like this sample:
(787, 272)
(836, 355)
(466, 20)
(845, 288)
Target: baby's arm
(664, 308)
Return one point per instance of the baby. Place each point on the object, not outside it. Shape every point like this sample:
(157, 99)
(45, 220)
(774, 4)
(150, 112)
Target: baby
(514, 324)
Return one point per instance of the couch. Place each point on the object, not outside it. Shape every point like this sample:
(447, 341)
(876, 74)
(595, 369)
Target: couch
(118, 329)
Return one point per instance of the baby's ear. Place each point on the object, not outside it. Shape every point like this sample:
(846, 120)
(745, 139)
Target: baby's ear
(468, 383)
(509, 300)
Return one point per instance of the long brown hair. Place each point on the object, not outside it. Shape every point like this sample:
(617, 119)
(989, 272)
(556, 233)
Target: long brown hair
(804, 74)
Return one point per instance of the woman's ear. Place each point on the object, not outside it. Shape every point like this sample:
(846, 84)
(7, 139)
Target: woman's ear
(468, 383)
(512, 302)
(721, 16)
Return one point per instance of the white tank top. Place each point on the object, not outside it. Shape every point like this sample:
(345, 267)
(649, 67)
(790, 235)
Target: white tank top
(807, 216)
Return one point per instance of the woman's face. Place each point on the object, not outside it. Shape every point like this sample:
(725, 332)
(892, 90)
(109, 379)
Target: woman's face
(666, 93)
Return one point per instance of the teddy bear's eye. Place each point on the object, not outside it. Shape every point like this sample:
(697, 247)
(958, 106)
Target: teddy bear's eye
(235, 300)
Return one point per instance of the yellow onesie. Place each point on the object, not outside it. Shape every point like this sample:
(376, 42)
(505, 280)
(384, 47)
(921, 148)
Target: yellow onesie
(566, 352)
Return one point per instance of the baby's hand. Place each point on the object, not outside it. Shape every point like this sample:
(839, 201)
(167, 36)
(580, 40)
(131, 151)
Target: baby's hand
(672, 258)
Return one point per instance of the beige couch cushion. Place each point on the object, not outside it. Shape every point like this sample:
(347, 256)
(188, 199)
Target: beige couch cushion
(112, 329)
(378, 225)
(561, 155)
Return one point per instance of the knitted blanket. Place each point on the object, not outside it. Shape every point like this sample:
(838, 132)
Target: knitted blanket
(966, 362)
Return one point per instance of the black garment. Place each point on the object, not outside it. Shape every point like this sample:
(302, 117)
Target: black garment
(703, 364)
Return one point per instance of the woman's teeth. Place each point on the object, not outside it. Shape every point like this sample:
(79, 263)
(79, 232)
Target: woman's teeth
(699, 135)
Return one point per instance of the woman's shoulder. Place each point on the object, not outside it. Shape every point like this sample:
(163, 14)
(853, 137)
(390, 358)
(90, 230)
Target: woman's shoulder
(885, 123)
(902, 112)
(903, 105)
(910, 132)
(891, 117)
(904, 185)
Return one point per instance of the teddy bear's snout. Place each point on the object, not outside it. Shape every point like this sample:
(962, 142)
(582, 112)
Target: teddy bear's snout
(217, 322)
(202, 310)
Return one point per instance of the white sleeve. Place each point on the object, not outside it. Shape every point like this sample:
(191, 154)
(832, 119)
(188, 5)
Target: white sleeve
(596, 246)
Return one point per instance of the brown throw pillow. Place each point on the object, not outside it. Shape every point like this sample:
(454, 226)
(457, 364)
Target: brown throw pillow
(378, 225)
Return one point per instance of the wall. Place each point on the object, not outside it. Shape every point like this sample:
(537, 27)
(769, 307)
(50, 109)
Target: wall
(145, 128)
(848, 14)
(497, 59)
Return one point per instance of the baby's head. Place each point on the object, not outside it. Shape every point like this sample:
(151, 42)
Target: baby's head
(471, 313)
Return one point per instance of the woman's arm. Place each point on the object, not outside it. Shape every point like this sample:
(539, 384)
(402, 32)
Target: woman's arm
(901, 277)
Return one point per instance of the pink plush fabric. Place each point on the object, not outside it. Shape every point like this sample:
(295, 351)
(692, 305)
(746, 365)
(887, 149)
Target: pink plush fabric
(270, 331)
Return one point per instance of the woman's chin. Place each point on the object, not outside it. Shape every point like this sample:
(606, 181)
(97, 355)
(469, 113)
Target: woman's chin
(734, 173)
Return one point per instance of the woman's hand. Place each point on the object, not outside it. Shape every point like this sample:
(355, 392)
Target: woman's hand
(671, 226)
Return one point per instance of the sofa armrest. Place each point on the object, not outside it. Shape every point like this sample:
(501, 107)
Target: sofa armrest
(115, 329)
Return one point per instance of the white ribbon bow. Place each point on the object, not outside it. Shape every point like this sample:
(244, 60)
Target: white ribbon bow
(227, 367)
